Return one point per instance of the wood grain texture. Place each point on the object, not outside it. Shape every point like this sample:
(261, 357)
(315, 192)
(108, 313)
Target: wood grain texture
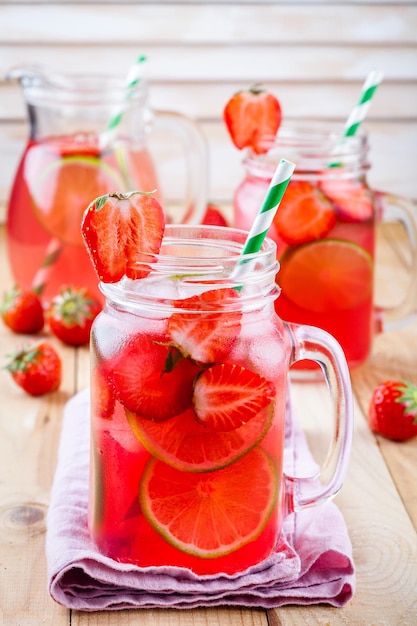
(378, 499)
(29, 435)
(378, 524)
(167, 617)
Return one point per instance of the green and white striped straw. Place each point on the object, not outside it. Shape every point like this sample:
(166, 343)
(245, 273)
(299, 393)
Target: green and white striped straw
(269, 207)
(266, 214)
(359, 112)
(54, 248)
(132, 79)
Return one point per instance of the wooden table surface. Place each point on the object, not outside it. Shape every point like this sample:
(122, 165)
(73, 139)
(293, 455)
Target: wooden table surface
(378, 500)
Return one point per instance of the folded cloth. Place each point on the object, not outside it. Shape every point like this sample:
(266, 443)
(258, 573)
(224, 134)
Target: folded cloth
(312, 562)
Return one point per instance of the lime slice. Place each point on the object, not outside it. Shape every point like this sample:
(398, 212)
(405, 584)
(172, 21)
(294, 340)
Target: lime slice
(187, 445)
(210, 515)
(64, 190)
(327, 275)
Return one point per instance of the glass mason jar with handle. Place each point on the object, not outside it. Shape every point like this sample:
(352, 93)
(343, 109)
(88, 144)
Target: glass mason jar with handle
(325, 230)
(189, 381)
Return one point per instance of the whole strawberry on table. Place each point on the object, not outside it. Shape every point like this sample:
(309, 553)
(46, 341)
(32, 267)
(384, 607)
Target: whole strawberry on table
(71, 314)
(393, 410)
(22, 311)
(36, 368)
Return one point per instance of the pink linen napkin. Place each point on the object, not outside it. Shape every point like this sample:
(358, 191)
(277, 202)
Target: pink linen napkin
(312, 562)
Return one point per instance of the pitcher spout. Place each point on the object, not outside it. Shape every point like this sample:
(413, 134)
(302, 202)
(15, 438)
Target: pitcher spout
(27, 75)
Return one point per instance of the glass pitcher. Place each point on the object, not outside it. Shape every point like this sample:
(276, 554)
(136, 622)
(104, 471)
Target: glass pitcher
(325, 230)
(73, 156)
(189, 383)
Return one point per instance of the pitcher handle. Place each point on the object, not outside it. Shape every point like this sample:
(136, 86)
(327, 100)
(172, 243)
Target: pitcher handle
(318, 345)
(195, 151)
(394, 208)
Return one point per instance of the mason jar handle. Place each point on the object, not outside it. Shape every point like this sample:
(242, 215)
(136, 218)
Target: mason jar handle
(318, 345)
(194, 147)
(393, 208)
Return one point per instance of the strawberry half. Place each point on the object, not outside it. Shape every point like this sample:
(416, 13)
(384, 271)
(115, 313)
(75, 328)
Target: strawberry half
(251, 117)
(208, 336)
(393, 410)
(122, 232)
(305, 214)
(153, 379)
(352, 199)
(226, 396)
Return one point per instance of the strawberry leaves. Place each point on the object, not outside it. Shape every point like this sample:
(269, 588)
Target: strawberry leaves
(71, 314)
(36, 368)
(393, 410)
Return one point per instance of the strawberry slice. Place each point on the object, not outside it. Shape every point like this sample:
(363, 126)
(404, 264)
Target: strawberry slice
(251, 117)
(153, 379)
(210, 335)
(122, 232)
(102, 393)
(226, 396)
(305, 214)
(352, 199)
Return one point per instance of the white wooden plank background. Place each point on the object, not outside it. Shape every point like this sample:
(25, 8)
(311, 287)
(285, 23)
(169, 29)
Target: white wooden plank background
(313, 55)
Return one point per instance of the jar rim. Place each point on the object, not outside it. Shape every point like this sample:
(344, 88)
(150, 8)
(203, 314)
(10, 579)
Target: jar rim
(313, 146)
(88, 89)
(214, 261)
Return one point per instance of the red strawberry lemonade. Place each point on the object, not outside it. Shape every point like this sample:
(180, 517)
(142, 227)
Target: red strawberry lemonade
(324, 230)
(56, 179)
(189, 368)
(188, 394)
(188, 406)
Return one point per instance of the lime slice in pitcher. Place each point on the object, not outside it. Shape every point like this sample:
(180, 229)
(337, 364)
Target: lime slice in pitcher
(326, 275)
(210, 515)
(65, 189)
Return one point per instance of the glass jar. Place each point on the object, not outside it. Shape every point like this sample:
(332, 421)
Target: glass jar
(325, 232)
(189, 377)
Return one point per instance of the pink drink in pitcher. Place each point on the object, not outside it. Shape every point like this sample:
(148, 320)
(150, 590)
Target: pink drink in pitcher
(189, 370)
(55, 182)
(74, 155)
